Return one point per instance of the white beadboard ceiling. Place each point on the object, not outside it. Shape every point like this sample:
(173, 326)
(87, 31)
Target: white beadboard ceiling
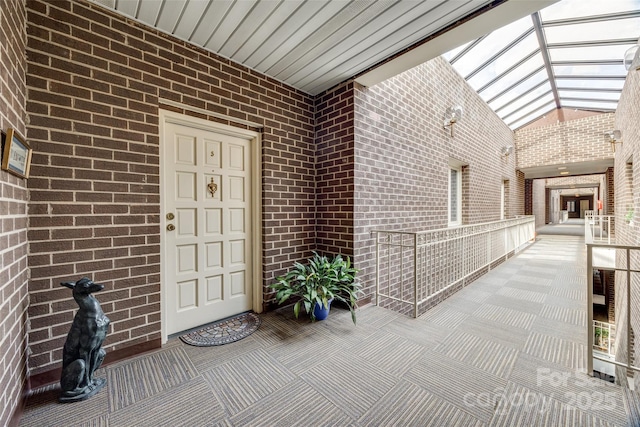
(311, 45)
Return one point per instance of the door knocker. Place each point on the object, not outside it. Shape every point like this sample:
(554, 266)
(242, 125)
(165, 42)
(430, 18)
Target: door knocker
(213, 187)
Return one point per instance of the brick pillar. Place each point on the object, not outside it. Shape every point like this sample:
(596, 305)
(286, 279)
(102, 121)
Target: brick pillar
(547, 205)
(528, 197)
(609, 206)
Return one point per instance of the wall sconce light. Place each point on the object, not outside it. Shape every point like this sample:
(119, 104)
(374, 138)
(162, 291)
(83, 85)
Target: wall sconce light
(452, 115)
(632, 57)
(506, 150)
(613, 137)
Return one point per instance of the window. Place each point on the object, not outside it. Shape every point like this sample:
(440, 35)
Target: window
(629, 209)
(455, 195)
(504, 198)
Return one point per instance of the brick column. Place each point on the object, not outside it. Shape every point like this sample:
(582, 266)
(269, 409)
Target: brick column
(528, 197)
(609, 206)
(547, 205)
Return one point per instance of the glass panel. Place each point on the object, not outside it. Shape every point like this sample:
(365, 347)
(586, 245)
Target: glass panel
(546, 88)
(614, 52)
(511, 57)
(578, 8)
(591, 105)
(589, 70)
(529, 108)
(614, 96)
(492, 44)
(589, 83)
(604, 30)
(533, 115)
(453, 196)
(518, 90)
(455, 51)
(508, 104)
(516, 75)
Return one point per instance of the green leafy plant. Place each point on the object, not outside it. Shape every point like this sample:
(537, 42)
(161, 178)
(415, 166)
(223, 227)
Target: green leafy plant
(318, 281)
(629, 216)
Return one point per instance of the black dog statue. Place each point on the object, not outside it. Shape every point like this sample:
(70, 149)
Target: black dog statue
(82, 353)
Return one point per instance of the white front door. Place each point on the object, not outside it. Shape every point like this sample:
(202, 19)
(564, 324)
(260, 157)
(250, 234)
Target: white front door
(208, 226)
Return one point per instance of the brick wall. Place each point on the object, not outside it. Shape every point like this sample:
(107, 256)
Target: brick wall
(610, 194)
(563, 186)
(335, 170)
(95, 82)
(402, 154)
(528, 196)
(627, 199)
(559, 115)
(580, 181)
(567, 142)
(14, 297)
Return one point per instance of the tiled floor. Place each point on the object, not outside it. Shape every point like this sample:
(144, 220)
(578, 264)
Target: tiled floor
(508, 350)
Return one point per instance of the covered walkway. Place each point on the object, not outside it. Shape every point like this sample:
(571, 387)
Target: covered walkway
(508, 350)
(571, 227)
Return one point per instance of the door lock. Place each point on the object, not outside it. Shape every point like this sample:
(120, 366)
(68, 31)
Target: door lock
(171, 227)
(170, 216)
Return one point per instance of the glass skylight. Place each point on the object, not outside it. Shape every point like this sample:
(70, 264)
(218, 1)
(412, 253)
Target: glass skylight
(579, 62)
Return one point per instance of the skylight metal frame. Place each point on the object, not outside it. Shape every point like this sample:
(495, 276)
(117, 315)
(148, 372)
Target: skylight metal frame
(559, 72)
(500, 53)
(525, 93)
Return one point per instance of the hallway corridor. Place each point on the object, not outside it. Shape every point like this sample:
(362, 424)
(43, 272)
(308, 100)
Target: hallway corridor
(508, 350)
(571, 227)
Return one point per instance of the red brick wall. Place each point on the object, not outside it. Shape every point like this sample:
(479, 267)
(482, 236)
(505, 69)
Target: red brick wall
(335, 170)
(14, 297)
(95, 82)
(402, 154)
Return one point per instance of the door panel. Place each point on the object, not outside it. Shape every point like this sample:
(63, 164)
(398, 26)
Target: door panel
(208, 272)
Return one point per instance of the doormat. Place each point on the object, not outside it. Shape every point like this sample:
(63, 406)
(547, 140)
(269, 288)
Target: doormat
(224, 331)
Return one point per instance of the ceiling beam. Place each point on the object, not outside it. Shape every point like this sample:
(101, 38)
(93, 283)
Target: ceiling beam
(499, 54)
(593, 77)
(497, 14)
(507, 89)
(467, 48)
(591, 89)
(606, 101)
(588, 62)
(596, 18)
(525, 106)
(541, 112)
(513, 67)
(591, 43)
(515, 98)
(537, 25)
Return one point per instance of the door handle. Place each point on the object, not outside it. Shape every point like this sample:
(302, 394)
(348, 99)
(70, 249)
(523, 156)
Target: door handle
(171, 227)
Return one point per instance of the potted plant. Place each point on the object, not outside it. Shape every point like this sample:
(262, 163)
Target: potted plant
(629, 216)
(317, 283)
